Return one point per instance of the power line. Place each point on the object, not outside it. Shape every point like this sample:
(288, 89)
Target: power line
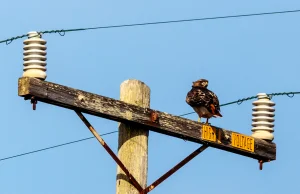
(240, 101)
(59, 145)
(62, 31)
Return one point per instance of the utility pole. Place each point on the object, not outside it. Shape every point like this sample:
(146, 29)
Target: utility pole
(136, 118)
(133, 143)
(133, 140)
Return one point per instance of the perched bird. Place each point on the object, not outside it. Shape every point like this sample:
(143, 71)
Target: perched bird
(203, 101)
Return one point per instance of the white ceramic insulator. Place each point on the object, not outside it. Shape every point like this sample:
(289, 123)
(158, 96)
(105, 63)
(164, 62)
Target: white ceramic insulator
(34, 56)
(263, 117)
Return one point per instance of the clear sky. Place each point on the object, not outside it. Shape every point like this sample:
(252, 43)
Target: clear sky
(240, 57)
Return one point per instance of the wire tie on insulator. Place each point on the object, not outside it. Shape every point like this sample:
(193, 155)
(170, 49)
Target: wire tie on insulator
(270, 96)
(39, 34)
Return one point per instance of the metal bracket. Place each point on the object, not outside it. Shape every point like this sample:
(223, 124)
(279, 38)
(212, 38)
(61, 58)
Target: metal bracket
(110, 152)
(154, 118)
(174, 169)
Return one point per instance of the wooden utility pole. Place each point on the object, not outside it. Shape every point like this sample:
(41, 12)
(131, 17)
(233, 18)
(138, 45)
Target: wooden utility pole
(136, 118)
(133, 140)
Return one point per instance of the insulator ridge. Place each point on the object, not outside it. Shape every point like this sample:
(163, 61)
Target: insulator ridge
(263, 117)
(34, 56)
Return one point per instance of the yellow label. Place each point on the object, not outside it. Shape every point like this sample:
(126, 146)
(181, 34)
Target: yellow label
(242, 141)
(208, 133)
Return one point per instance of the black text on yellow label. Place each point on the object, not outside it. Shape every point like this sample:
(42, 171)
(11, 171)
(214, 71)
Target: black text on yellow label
(208, 133)
(242, 141)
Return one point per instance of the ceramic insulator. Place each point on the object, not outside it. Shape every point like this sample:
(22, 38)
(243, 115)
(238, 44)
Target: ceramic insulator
(263, 117)
(34, 56)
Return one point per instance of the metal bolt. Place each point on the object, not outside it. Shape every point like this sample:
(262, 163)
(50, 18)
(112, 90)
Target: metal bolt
(260, 164)
(33, 102)
(154, 117)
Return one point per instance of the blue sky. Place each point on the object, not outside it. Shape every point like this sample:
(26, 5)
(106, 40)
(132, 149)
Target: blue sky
(240, 57)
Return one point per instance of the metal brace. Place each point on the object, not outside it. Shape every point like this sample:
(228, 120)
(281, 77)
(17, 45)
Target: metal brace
(154, 118)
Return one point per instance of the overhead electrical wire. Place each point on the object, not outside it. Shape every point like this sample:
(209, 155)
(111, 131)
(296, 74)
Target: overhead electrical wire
(63, 31)
(59, 145)
(240, 101)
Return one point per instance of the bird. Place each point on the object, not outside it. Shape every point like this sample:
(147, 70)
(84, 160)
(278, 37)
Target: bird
(204, 102)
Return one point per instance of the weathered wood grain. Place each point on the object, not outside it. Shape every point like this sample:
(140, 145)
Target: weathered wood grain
(116, 110)
(133, 140)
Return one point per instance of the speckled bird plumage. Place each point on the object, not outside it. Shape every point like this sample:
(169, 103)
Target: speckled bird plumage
(203, 101)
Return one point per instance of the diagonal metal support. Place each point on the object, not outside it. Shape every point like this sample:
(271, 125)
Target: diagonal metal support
(174, 169)
(131, 178)
(110, 152)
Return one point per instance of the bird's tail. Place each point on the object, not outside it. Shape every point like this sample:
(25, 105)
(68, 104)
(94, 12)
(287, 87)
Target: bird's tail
(218, 114)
